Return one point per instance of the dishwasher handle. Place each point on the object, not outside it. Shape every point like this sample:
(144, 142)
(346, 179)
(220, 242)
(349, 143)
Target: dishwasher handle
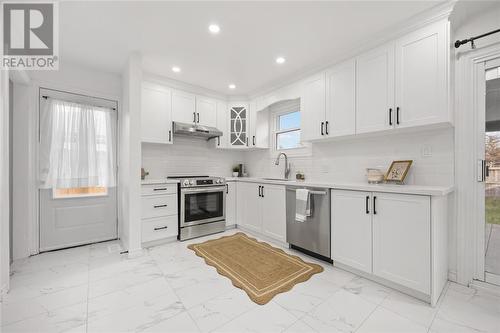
(312, 192)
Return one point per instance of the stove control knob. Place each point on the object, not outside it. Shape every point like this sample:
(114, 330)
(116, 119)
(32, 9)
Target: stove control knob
(218, 181)
(191, 182)
(185, 183)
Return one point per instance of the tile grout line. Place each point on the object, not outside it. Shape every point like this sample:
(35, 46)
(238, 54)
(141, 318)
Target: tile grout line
(440, 301)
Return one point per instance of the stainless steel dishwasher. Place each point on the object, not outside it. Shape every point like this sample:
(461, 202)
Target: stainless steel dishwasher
(312, 236)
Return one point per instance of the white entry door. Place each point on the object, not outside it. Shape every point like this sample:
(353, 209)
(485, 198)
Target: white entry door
(78, 203)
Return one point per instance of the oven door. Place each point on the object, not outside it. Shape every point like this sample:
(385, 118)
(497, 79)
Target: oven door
(202, 205)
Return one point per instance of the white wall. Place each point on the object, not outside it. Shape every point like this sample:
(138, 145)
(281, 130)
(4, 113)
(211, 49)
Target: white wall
(4, 182)
(71, 78)
(130, 157)
(188, 156)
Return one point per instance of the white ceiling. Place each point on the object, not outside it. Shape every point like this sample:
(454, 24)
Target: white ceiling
(102, 34)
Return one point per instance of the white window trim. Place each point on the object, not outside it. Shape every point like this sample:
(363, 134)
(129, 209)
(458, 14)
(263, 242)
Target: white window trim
(275, 112)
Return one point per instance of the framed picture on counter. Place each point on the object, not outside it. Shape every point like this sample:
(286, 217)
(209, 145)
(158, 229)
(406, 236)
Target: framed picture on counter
(397, 171)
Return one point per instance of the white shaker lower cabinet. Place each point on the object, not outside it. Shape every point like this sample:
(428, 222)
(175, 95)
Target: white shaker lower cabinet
(402, 239)
(261, 208)
(396, 239)
(231, 204)
(159, 212)
(274, 211)
(352, 229)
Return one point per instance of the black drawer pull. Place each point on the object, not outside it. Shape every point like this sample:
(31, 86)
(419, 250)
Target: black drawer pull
(159, 206)
(374, 209)
(367, 203)
(322, 128)
(326, 127)
(160, 189)
(397, 115)
(390, 116)
(160, 228)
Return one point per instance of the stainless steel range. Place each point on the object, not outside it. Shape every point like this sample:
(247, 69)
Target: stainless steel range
(202, 206)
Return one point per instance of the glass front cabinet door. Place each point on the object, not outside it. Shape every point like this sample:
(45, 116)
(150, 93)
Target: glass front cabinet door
(238, 131)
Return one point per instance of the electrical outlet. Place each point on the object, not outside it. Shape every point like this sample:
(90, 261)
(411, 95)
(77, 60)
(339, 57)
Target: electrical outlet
(426, 151)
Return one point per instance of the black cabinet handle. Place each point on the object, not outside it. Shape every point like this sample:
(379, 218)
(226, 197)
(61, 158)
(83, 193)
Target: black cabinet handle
(194, 117)
(246, 141)
(159, 206)
(160, 189)
(326, 127)
(397, 115)
(227, 188)
(160, 228)
(374, 209)
(390, 116)
(254, 140)
(260, 195)
(367, 203)
(322, 128)
(262, 191)
(218, 141)
(198, 121)
(169, 136)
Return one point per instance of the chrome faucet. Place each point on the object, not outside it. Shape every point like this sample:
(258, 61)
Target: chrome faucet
(287, 166)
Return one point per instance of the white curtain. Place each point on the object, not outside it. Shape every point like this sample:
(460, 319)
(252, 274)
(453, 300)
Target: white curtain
(77, 145)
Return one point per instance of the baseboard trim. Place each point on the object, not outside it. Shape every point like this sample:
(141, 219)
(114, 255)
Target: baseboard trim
(485, 286)
(162, 241)
(452, 276)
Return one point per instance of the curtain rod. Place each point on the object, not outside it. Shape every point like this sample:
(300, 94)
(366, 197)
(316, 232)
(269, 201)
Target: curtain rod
(99, 106)
(459, 43)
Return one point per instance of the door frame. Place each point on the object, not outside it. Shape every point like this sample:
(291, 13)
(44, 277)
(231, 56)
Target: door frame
(33, 228)
(470, 229)
(84, 96)
(479, 93)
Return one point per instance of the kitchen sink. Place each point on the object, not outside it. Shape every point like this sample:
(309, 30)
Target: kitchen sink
(280, 179)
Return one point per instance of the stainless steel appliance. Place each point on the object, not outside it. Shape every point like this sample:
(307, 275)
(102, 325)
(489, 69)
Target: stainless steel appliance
(312, 236)
(196, 130)
(202, 206)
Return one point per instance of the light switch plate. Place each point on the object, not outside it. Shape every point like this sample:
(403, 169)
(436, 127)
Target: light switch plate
(426, 151)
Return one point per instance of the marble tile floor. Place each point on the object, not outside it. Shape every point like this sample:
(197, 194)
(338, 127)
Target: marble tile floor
(169, 289)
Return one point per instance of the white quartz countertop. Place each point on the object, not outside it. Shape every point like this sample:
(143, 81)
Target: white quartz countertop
(159, 181)
(388, 188)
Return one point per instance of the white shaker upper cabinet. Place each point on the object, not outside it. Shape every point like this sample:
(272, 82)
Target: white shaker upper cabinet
(341, 100)
(206, 111)
(183, 107)
(156, 114)
(352, 229)
(422, 76)
(402, 239)
(313, 108)
(375, 90)
(222, 124)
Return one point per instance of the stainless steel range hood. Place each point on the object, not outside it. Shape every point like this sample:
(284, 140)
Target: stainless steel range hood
(195, 130)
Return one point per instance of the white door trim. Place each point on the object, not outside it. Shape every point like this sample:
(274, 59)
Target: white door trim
(466, 205)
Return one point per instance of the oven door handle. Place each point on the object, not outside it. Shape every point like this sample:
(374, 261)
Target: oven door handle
(204, 190)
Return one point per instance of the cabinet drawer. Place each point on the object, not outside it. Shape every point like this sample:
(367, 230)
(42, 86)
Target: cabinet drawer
(158, 189)
(158, 228)
(156, 206)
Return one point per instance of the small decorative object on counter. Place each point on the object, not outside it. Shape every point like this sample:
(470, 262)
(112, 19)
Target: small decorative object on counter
(397, 171)
(374, 176)
(144, 174)
(236, 171)
(300, 176)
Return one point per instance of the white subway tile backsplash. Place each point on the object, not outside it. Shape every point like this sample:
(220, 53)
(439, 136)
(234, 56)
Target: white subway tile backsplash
(335, 161)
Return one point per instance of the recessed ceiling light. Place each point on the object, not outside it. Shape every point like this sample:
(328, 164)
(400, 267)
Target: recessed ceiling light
(214, 28)
(176, 69)
(280, 60)
(232, 86)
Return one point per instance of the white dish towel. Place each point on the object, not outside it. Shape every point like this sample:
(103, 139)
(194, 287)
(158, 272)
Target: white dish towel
(302, 205)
